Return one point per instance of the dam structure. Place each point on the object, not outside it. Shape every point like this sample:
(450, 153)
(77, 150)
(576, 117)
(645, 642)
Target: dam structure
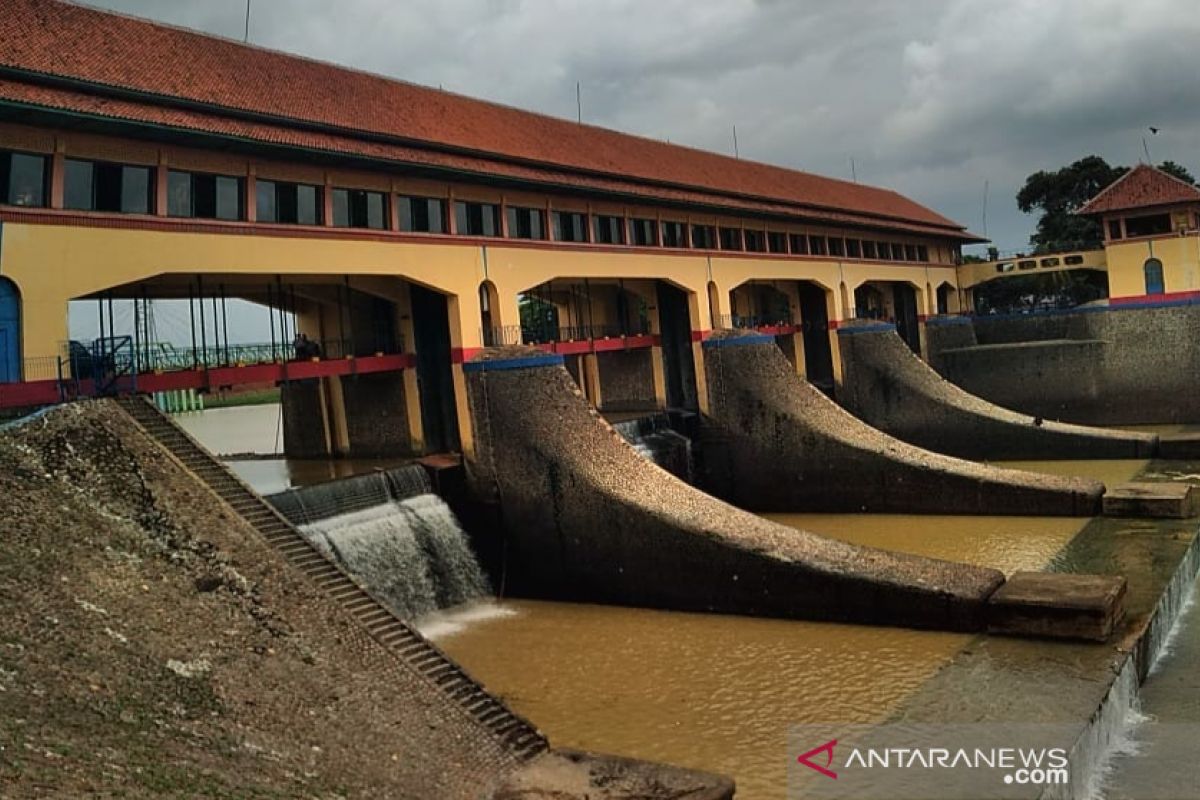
(578, 374)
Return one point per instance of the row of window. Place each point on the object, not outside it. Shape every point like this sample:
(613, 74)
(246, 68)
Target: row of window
(100, 186)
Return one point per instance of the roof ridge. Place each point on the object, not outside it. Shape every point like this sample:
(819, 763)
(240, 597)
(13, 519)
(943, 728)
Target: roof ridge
(497, 130)
(452, 93)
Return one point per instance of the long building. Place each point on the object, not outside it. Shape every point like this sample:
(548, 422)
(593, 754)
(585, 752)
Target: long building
(404, 228)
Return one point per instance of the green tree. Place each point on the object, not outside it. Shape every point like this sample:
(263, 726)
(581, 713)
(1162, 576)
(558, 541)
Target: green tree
(1171, 168)
(1057, 195)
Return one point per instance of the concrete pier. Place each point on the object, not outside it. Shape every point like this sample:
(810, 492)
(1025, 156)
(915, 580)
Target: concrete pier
(587, 518)
(772, 442)
(887, 386)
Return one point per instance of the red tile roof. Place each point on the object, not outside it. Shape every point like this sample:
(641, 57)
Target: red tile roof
(301, 101)
(1142, 187)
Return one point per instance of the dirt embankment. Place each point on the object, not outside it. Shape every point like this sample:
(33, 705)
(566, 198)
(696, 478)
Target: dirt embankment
(151, 645)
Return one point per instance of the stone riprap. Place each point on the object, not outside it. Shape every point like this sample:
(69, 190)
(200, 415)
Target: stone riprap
(887, 386)
(587, 518)
(773, 442)
(1096, 365)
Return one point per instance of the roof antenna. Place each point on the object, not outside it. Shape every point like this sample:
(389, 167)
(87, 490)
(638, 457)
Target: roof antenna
(246, 37)
(736, 154)
(1146, 147)
(853, 171)
(985, 199)
(578, 103)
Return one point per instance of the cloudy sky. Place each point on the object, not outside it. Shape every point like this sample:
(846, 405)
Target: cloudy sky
(933, 98)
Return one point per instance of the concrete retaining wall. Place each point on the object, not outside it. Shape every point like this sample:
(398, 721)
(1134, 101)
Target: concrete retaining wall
(376, 415)
(890, 388)
(1099, 366)
(626, 380)
(773, 442)
(303, 420)
(587, 518)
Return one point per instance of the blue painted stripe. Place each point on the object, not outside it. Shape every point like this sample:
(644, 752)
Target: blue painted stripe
(935, 321)
(503, 364)
(881, 327)
(739, 341)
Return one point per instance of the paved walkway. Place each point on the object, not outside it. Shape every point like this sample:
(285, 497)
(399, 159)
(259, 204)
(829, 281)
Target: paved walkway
(1167, 764)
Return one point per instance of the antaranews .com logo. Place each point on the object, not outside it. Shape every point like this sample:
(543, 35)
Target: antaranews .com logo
(929, 761)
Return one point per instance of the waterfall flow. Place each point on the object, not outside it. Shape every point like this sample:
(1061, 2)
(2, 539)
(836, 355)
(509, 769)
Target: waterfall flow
(388, 531)
(307, 504)
(411, 554)
(654, 439)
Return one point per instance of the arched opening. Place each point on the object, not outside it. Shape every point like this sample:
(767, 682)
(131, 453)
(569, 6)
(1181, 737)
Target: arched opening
(431, 331)
(10, 332)
(943, 298)
(493, 335)
(1153, 270)
(814, 326)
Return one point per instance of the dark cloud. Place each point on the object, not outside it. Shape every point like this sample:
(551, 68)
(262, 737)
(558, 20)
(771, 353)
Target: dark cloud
(929, 97)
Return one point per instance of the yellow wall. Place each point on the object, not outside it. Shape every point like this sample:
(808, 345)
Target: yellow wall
(1180, 256)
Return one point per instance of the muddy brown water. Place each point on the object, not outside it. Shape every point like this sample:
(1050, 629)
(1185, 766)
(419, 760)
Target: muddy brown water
(706, 691)
(719, 693)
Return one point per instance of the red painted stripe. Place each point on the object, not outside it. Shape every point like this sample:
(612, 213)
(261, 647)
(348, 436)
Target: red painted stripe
(1166, 297)
(459, 355)
(700, 336)
(44, 392)
(834, 324)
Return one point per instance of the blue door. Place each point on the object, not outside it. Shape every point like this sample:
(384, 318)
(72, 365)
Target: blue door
(1154, 276)
(10, 332)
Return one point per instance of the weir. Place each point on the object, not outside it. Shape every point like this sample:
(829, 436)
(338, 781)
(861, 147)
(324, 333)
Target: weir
(890, 388)
(655, 440)
(587, 518)
(773, 442)
(388, 531)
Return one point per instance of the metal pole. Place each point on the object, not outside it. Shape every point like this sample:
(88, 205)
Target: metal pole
(271, 319)
(341, 325)
(225, 324)
(216, 330)
(282, 304)
(192, 319)
(203, 328)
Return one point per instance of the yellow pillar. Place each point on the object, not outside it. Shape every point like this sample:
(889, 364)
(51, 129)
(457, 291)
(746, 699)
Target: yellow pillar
(412, 387)
(697, 313)
(837, 309)
(591, 379)
(337, 428)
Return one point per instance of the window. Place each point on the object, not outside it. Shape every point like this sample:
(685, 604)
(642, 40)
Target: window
(359, 208)
(95, 186)
(422, 214)
(922, 253)
(910, 252)
(643, 232)
(777, 242)
(608, 229)
(704, 237)
(570, 226)
(897, 252)
(526, 223)
(674, 234)
(755, 241)
(1114, 229)
(1152, 225)
(731, 238)
(799, 244)
(884, 250)
(816, 245)
(837, 246)
(193, 194)
(853, 248)
(476, 219)
(23, 179)
(288, 203)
